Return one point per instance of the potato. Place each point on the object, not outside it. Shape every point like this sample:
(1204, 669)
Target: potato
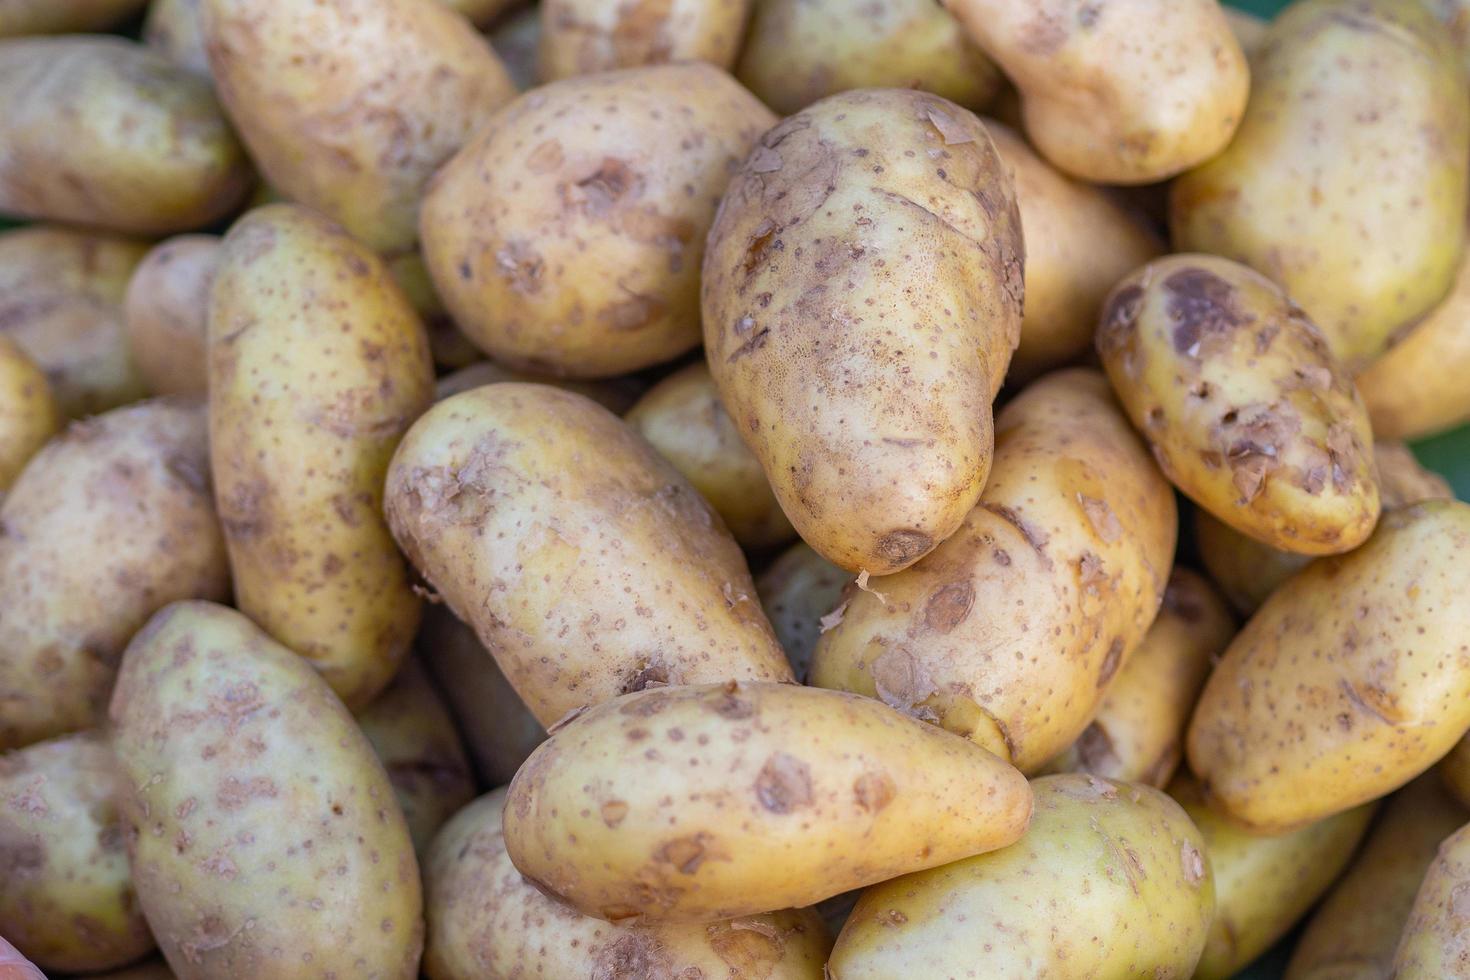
(585, 562)
(109, 522)
(19, 17)
(799, 51)
(263, 834)
(784, 796)
(166, 310)
(68, 901)
(174, 30)
(1436, 939)
(317, 366)
(683, 419)
(452, 350)
(516, 39)
(1250, 31)
(349, 106)
(862, 296)
(617, 395)
(579, 37)
(486, 920)
(1347, 182)
(566, 237)
(1455, 15)
(798, 591)
(1349, 681)
(1010, 632)
(1246, 410)
(1110, 881)
(28, 412)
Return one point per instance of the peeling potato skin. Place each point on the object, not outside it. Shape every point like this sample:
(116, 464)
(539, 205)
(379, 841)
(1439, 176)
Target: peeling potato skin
(1011, 630)
(517, 39)
(24, 17)
(862, 297)
(566, 237)
(797, 591)
(173, 29)
(264, 835)
(28, 412)
(1243, 405)
(756, 773)
(68, 901)
(617, 395)
(1351, 679)
(580, 37)
(112, 520)
(452, 350)
(1123, 861)
(486, 920)
(166, 310)
(1436, 938)
(1347, 181)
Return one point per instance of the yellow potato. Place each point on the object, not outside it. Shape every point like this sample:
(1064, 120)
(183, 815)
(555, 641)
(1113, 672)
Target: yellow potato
(1110, 881)
(486, 920)
(28, 412)
(1011, 630)
(617, 395)
(798, 592)
(1347, 181)
(264, 837)
(1249, 30)
(166, 310)
(173, 28)
(452, 350)
(18, 17)
(579, 37)
(516, 39)
(866, 253)
(1435, 944)
(690, 804)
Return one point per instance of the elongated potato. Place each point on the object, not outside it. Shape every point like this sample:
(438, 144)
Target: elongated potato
(1123, 861)
(28, 412)
(799, 591)
(783, 796)
(584, 561)
(112, 520)
(20, 17)
(1352, 679)
(862, 297)
(486, 920)
(617, 395)
(173, 28)
(317, 365)
(167, 310)
(1436, 939)
(1010, 632)
(579, 37)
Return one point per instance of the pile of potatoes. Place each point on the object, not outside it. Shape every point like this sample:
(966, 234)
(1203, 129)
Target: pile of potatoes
(781, 489)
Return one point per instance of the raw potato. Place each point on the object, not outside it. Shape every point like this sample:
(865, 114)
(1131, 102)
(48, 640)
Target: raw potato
(617, 395)
(68, 900)
(112, 520)
(173, 28)
(264, 836)
(21, 17)
(517, 39)
(167, 309)
(349, 106)
(452, 350)
(1011, 630)
(1129, 92)
(317, 367)
(1352, 679)
(799, 591)
(585, 562)
(1347, 181)
(1246, 410)
(1110, 881)
(28, 413)
(862, 297)
(690, 804)
(566, 237)
(485, 920)
(1436, 940)
(683, 419)
(580, 37)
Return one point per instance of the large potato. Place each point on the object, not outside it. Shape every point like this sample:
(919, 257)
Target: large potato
(579, 37)
(1110, 881)
(173, 28)
(585, 562)
(167, 309)
(1435, 944)
(617, 395)
(109, 522)
(1347, 181)
(1011, 630)
(18, 17)
(798, 591)
(566, 237)
(28, 412)
(862, 296)
(317, 365)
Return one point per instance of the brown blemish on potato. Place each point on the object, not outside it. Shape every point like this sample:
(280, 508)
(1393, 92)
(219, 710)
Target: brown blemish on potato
(1111, 662)
(684, 853)
(1095, 748)
(613, 812)
(784, 784)
(648, 675)
(727, 704)
(904, 545)
(1104, 522)
(750, 948)
(633, 954)
(1193, 863)
(1035, 536)
(873, 791)
(901, 682)
(1200, 303)
(949, 606)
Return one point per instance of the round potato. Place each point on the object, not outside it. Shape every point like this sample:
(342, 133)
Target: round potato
(29, 415)
(166, 310)
(173, 29)
(580, 37)
(21, 17)
(799, 592)
(517, 38)
(1436, 939)
(617, 395)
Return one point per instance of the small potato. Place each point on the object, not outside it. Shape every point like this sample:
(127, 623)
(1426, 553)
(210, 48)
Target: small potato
(580, 37)
(486, 920)
(1246, 410)
(167, 310)
(264, 836)
(452, 350)
(617, 395)
(111, 521)
(690, 804)
(566, 237)
(1110, 881)
(28, 412)
(798, 592)
(1435, 944)
(21, 17)
(517, 39)
(174, 30)
(67, 900)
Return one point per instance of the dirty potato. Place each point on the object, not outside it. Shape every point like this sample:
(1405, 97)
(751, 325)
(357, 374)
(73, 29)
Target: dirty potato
(799, 592)
(166, 310)
(22, 17)
(617, 395)
(579, 37)
(29, 415)
(1436, 940)
(174, 30)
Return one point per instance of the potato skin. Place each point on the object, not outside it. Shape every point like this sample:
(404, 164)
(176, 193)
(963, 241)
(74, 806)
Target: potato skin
(798, 591)
(166, 310)
(1077, 522)
(772, 770)
(174, 30)
(486, 920)
(1285, 734)
(585, 562)
(1436, 939)
(317, 365)
(867, 264)
(248, 787)
(112, 520)
(28, 412)
(617, 395)
(580, 37)
(1122, 860)
(23, 17)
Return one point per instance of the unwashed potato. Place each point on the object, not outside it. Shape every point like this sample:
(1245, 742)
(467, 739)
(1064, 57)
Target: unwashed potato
(617, 395)
(112, 520)
(264, 836)
(452, 350)
(690, 804)
(20, 17)
(799, 591)
(566, 237)
(173, 28)
(167, 309)
(516, 39)
(1436, 940)
(1347, 181)
(29, 415)
(317, 366)
(1011, 630)
(486, 920)
(1110, 881)
(1249, 30)
(579, 37)
(862, 297)
(585, 562)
